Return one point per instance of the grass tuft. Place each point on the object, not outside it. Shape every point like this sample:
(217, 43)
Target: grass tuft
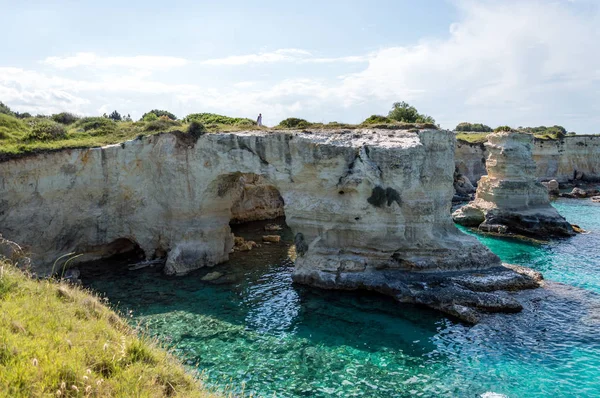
(60, 340)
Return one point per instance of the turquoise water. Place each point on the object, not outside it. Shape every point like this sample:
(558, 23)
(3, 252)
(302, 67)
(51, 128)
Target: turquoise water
(253, 330)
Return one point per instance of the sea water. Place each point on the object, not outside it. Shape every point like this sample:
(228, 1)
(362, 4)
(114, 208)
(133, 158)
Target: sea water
(252, 330)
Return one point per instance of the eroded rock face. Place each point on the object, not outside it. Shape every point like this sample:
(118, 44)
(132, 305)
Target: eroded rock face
(572, 158)
(510, 194)
(370, 209)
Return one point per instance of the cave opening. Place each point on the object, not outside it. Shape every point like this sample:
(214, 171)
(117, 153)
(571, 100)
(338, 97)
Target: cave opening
(258, 222)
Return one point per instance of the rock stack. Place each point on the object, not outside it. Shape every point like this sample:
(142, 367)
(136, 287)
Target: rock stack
(510, 199)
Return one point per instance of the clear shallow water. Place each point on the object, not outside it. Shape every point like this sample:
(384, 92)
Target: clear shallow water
(253, 329)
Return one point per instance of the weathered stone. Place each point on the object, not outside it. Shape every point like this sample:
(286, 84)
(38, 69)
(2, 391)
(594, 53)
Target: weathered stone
(553, 187)
(369, 210)
(271, 238)
(273, 227)
(510, 195)
(567, 159)
(211, 276)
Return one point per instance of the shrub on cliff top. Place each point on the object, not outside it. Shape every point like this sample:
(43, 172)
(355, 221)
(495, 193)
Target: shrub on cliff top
(377, 119)
(159, 113)
(474, 127)
(11, 126)
(65, 118)
(4, 109)
(196, 129)
(213, 118)
(403, 112)
(97, 126)
(45, 130)
(294, 123)
(161, 125)
(503, 128)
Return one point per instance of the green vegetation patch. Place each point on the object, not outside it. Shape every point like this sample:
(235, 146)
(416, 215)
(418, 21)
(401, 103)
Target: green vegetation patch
(61, 341)
(213, 118)
(473, 127)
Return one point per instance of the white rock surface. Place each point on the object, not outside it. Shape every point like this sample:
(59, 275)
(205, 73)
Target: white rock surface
(356, 199)
(562, 160)
(510, 195)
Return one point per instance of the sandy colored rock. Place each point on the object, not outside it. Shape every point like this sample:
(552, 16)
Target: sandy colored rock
(510, 195)
(271, 238)
(273, 227)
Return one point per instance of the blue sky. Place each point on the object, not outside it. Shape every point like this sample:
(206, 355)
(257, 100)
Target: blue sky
(521, 62)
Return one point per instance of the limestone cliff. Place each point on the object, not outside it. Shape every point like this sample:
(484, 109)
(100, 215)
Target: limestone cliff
(510, 198)
(369, 208)
(570, 158)
(470, 160)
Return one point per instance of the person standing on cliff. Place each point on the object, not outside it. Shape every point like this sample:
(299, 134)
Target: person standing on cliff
(259, 120)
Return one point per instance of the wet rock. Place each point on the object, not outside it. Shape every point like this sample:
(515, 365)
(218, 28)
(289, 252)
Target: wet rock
(510, 195)
(242, 245)
(580, 193)
(271, 238)
(595, 198)
(553, 187)
(211, 276)
(273, 227)
(467, 295)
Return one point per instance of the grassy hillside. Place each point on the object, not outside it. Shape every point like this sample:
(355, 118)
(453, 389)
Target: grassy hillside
(57, 340)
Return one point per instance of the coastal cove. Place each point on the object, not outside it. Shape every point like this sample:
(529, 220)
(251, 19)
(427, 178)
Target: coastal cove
(252, 329)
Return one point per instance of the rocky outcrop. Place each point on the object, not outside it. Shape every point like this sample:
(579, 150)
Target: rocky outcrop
(571, 158)
(510, 199)
(470, 160)
(370, 209)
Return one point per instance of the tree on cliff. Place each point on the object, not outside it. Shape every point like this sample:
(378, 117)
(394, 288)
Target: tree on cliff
(158, 113)
(116, 116)
(5, 109)
(473, 127)
(404, 112)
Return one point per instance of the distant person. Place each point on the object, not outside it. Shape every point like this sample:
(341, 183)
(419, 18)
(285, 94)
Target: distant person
(259, 120)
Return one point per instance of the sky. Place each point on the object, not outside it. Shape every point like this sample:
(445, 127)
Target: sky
(504, 62)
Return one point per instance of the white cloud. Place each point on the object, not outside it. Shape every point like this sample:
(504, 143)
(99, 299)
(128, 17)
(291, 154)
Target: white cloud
(281, 55)
(89, 59)
(510, 62)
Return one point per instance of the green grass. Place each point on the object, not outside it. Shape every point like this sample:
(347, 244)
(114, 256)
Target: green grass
(22, 136)
(58, 340)
(472, 138)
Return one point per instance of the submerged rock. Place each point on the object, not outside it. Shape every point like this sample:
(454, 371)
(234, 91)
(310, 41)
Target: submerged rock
(510, 195)
(211, 276)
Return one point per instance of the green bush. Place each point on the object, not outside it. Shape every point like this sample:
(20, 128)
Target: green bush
(213, 118)
(473, 127)
(46, 130)
(377, 119)
(23, 115)
(161, 125)
(403, 112)
(116, 116)
(503, 128)
(149, 117)
(196, 129)
(10, 125)
(95, 123)
(293, 122)
(159, 113)
(64, 118)
(5, 110)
